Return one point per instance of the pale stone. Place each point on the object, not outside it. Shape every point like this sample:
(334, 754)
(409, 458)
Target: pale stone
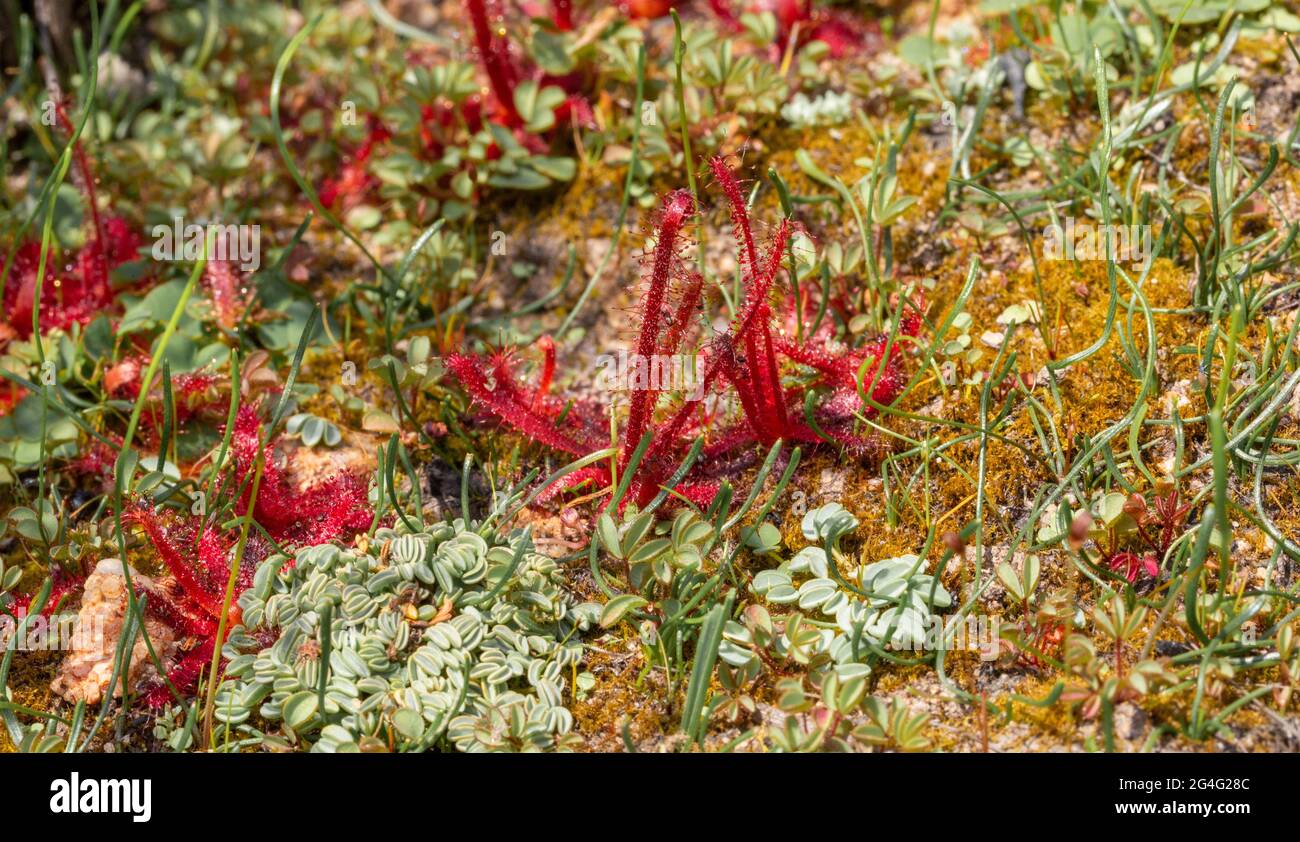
(87, 669)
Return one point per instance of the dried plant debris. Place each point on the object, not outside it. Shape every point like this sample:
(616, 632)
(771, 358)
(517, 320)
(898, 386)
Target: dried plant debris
(733, 376)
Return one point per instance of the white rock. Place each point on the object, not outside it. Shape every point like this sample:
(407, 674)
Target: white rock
(87, 669)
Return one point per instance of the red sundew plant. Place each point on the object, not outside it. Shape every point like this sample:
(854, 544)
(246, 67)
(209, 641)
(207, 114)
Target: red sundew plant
(842, 33)
(838, 368)
(505, 72)
(189, 601)
(744, 358)
(97, 461)
(532, 411)
(494, 51)
(227, 287)
(74, 290)
(336, 508)
(771, 410)
(64, 587)
(192, 391)
(355, 184)
(198, 555)
(562, 14)
(193, 394)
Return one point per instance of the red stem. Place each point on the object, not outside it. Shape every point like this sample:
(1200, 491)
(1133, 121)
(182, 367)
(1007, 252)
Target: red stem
(87, 178)
(682, 318)
(677, 207)
(773, 385)
(765, 397)
(739, 217)
(756, 293)
(496, 60)
(562, 14)
(547, 344)
(748, 402)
